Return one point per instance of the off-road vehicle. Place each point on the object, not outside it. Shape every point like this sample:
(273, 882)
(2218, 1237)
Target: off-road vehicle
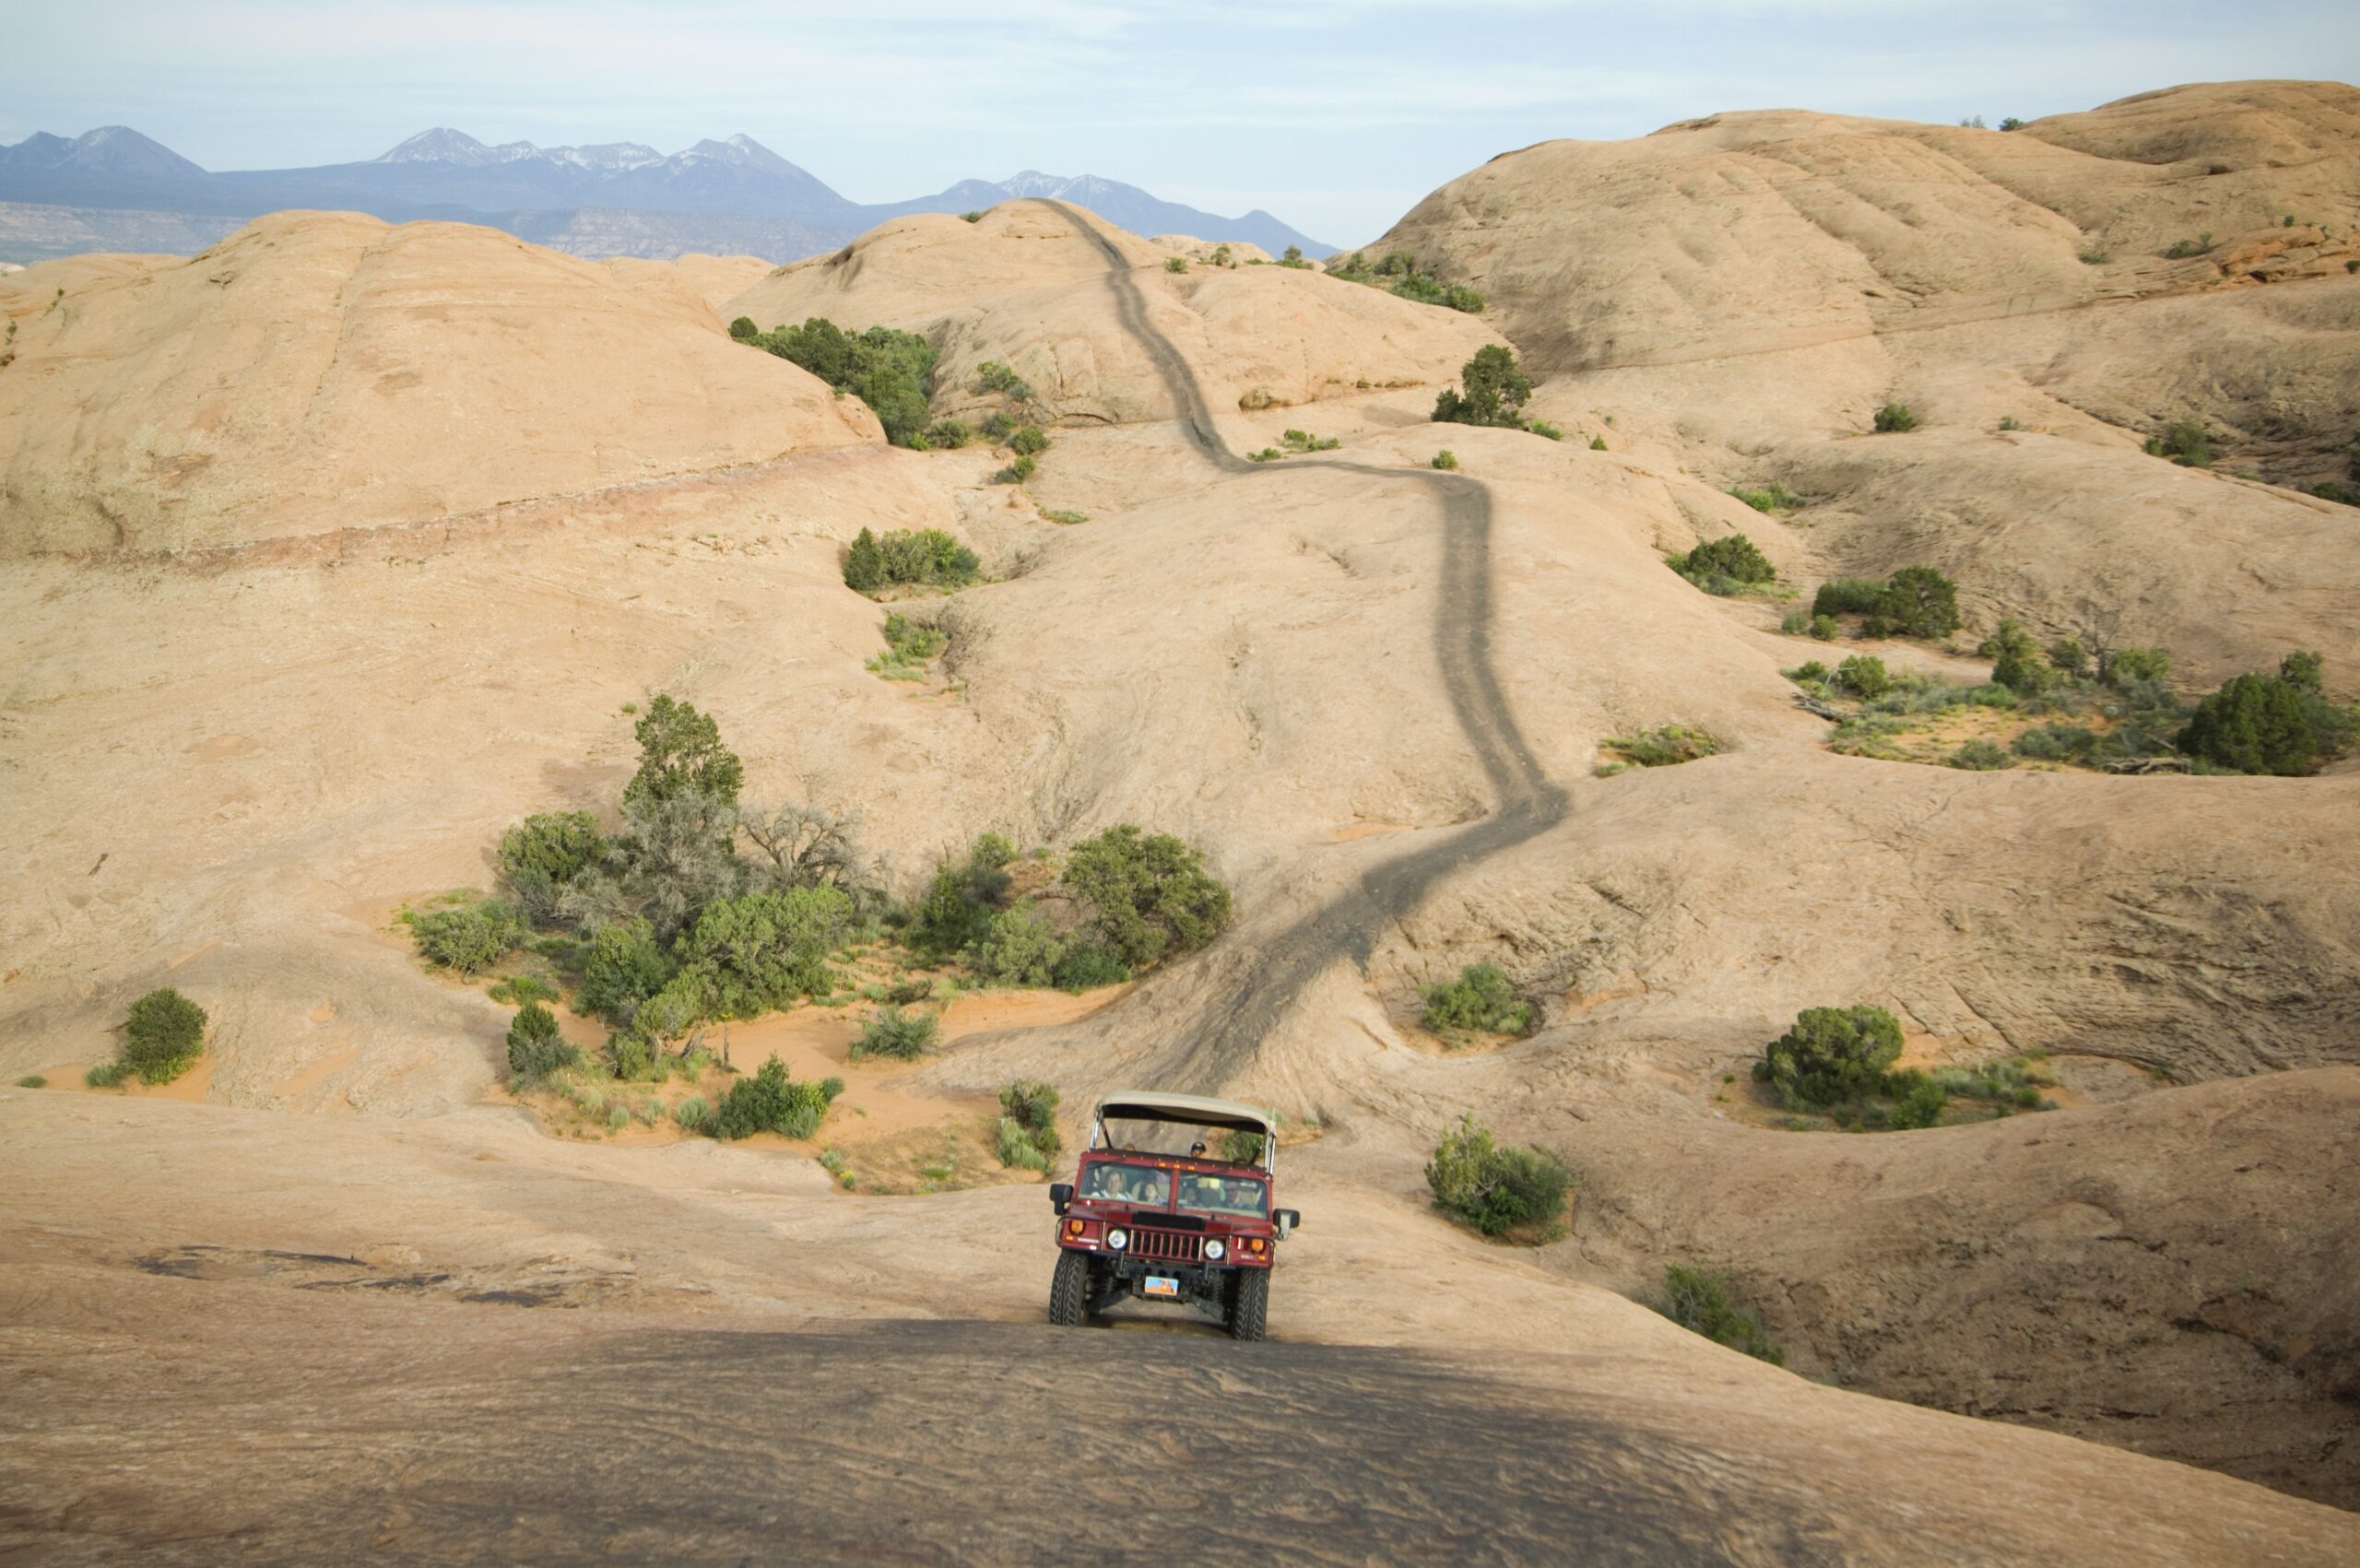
(1147, 1216)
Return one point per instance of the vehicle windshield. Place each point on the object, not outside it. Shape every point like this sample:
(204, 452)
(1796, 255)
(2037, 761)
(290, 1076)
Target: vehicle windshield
(1119, 1183)
(1134, 1137)
(1223, 1194)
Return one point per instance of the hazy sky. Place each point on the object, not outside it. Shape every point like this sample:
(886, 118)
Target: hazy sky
(1335, 115)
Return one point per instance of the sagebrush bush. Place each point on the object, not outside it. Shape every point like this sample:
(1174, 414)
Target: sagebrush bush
(1445, 459)
(107, 1074)
(2185, 442)
(468, 938)
(1170, 264)
(1304, 440)
(892, 1032)
(1772, 497)
(1015, 1150)
(1726, 565)
(770, 1102)
(1831, 1056)
(1497, 1190)
(1017, 470)
(694, 1113)
(1981, 757)
(1481, 999)
(1703, 1303)
(163, 1034)
(1665, 748)
(1895, 417)
(1148, 895)
(1864, 676)
(1031, 1105)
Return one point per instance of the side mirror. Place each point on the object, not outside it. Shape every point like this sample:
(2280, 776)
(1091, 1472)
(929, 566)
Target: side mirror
(1286, 1220)
(1060, 1196)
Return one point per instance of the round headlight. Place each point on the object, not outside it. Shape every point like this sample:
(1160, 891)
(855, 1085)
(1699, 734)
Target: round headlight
(1117, 1239)
(1215, 1251)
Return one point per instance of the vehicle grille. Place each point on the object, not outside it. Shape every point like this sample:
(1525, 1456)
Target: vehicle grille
(1166, 1246)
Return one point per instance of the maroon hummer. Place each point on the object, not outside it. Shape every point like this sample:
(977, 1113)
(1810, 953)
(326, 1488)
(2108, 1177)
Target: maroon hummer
(1172, 1203)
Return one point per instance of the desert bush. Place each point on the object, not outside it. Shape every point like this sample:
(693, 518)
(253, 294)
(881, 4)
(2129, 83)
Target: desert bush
(1864, 676)
(1033, 1106)
(519, 989)
(1267, 454)
(957, 910)
(2303, 670)
(622, 969)
(1544, 430)
(863, 567)
(2069, 659)
(1293, 257)
(1445, 459)
(2185, 442)
(1170, 264)
(991, 376)
(468, 938)
(2057, 743)
(1086, 965)
(886, 369)
(1981, 757)
(2181, 250)
(1481, 999)
(1702, 1303)
(694, 1113)
(2254, 723)
(909, 646)
(1027, 440)
(1666, 747)
(32, 1080)
(1497, 1190)
(1492, 391)
(892, 1032)
(1772, 497)
(771, 1102)
(1895, 418)
(539, 856)
(1917, 601)
(1598, 443)
(948, 435)
(1833, 1055)
(1019, 470)
(764, 951)
(744, 330)
(107, 1074)
(2017, 662)
(1064, 517)
(163, 1034)
(1824, 627)
(1016, 1152)
(2012, 123)
(2126, 667)
(1304, 440)
(1459, 297)
(1148, 895)
(975, 217)
(1018, 947)
(536, 1049)
(1847, 595)
(926, 555)
(1724, 566)
(1794, 624)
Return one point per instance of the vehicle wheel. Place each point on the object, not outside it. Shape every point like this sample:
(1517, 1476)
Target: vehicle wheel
(1069, 1290)
(1249, 1304)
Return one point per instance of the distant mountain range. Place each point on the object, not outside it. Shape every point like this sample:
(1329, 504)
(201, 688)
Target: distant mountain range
(619, 198)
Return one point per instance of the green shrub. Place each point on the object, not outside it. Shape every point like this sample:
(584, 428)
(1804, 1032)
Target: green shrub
(1085, 966)
(468, 938)
(2130, 666)
(957, 910)
(536, 1049)
(1267, 454)
(1833, 1055)
(1702, 1303)
(1149, 896)
(163, 1036)
(1481, 999)
(2069, 659)
(1824, 627)
(1981, 757)
(1794, 624)
(864, 563)
(1917, 601)
(971, 216)
(926, 556)
(1917, 1100)
(1893, 418)
(2303, 670)
(2094, 257)
(770, 1102)
(1240, 1148)
(1726, 565)
(892, 1032)
(2254, 723)
(765, 951)
(1221, 255)
(1598, 443)
(2057, 743)
(622, 969)
(1772, 497)
(946, 435)
(991, 376)
(1445, 459)
(2181, 250)
(2338, 492)
(107, 1074)
(1494, 1189)
(540, 856)
(1017, 470)
(1304, 440)
(1847, 595)
(1495, 389)
(1031, 1107)
(1863, 675)
(744, 330)
(519, 989)
(1018, 947)
(1668, 747)
(886, 369)
(1064, 518)
(2185, 442)
(32, 1080)
(680, 752)
(1170, 264)
(1544, 430)
(694, 1113)
(1026, 441)
(1016, 1152)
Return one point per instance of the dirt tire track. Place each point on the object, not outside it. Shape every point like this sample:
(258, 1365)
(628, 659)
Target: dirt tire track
(1527, 803)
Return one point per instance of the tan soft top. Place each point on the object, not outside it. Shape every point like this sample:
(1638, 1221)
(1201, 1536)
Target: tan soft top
(1196, 1110)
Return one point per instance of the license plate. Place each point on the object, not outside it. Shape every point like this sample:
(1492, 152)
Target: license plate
(1159, 1286)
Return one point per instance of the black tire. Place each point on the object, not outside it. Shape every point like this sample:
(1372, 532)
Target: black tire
(1249, 1304)
(1069, 1290)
